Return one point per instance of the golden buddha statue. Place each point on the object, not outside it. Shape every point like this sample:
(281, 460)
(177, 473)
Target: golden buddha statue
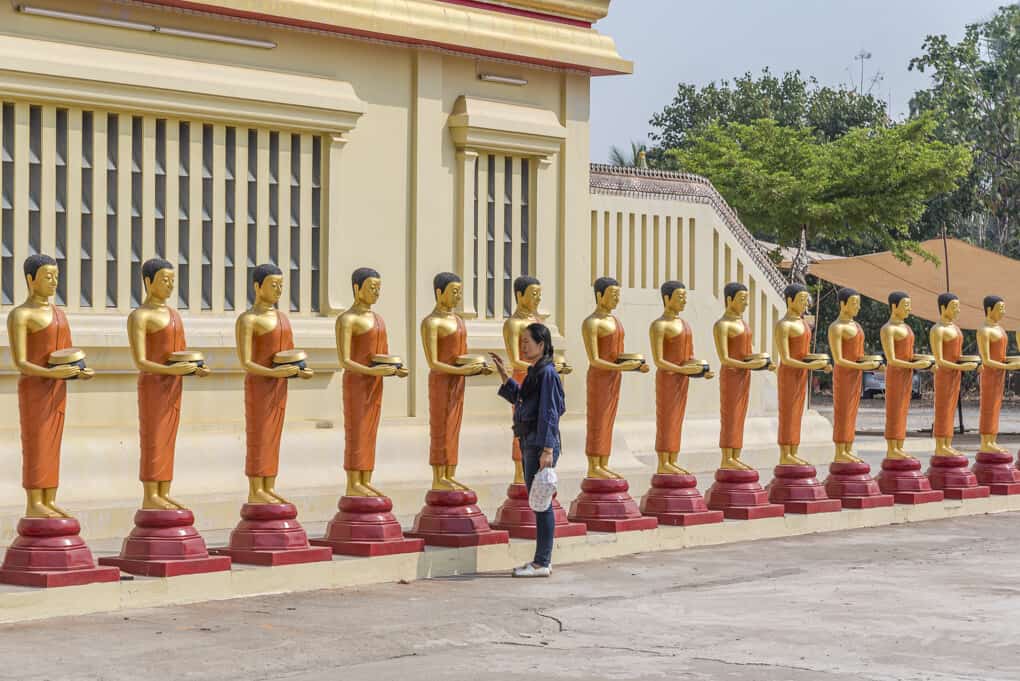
(155, 331)
(946, 340)
(672, 344)
(528, 293)
(263, 332)
(603, 342)
(444, 340)
(898, 346)
(992, 341)
(361, 344)
(37, 328)
(792, 338)
(734, 345)
(846, 343)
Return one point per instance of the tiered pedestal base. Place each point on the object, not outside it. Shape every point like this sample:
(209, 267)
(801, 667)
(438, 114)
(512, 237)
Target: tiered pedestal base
(852, 484)
(903, 479)
(605, 506)
(516, 517)
(452, 518)
(165, 544)
(995, 469)
(675, 500)
(798, 490)
(951, 475)
(739, 495)
(48, 552)
(365, 526)
(269, 534)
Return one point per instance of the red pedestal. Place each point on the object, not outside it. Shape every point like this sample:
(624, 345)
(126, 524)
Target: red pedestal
(903, 479)
(365, 526)
(516, 517)
(48, 552)
(853, 485)
(995, 469)
(675, 500)
(798, 490)
(951, 475)
(739, 496)
(269, 534)
(605, 506)
(452, 518)
(164, 544)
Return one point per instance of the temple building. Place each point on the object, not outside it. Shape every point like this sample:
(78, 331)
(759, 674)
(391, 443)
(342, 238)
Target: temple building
(411, 136)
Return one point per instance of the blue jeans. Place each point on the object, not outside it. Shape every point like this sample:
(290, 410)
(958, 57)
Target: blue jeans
(546, 520)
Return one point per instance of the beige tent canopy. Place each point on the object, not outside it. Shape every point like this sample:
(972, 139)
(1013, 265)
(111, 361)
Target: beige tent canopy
(973, 274)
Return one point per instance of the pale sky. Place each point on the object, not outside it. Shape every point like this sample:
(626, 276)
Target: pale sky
(672, 41)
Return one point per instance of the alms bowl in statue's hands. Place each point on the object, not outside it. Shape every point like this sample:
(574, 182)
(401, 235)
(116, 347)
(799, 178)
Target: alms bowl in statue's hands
(760, 355)
(484, 368)
(701, 363)
(631, 357)
(293, 357)
(387, 360)
(75, 356)
(930, 359)
(561, 364)
(969, 359)
(181, 356)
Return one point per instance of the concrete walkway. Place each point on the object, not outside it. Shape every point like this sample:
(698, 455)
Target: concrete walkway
(932, 601)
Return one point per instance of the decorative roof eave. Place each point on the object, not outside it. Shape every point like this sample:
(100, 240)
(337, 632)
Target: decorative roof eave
(588, 11)
(459, 28)
(663, 184)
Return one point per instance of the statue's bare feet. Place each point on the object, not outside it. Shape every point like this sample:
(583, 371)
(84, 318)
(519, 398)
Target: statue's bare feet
(375, 490)
(459, 485)
(847, 457)
(360, 489)
(677, 470)
(156, 502)
(792, 460)
(898, 453)
(442, 484)
(40, 510)
(611, 473)
(57, 509)
(734, 464)
(178, 505)
(261, 496)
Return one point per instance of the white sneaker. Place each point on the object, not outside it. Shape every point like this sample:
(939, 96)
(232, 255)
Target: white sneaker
(530, 570)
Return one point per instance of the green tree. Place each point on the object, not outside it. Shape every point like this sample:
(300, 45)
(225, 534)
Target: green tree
(790, 100)
(976, 94)
(628, 159)
(865, 188)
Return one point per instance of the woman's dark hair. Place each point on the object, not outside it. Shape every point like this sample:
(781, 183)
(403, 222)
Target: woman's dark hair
(540, 334)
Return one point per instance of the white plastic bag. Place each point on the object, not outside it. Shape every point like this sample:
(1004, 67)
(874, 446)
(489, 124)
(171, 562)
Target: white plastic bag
(543, 488)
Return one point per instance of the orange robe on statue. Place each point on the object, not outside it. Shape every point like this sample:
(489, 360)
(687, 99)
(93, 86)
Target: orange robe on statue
(265, 402)
(992, 383)
(446, 400)
(671, 392)
(734, 392)
(41, 402)
(603, 395)
(362, 398)
(947, 387)
(899, 384)
(159, 404)
(792, 389)
(846, 390)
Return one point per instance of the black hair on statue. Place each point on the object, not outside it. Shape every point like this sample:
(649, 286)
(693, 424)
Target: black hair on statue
(603, 283)
(34, 262)
(153, 265)
(359, 276)
(845, 294)
(522, 283)
(946, 298)
(990, 301)
(731, 290)
(668, 287)
(265, 270)
(540, 334)
(442, 280)
(896, 296)
(791, 291)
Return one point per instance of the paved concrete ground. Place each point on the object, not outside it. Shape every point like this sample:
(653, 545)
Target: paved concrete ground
(933, 601)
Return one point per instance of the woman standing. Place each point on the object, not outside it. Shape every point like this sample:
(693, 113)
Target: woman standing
(538, 404)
